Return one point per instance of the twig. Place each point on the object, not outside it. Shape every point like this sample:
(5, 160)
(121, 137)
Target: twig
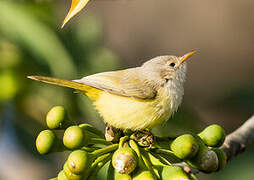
(237, 141)
(186, 168)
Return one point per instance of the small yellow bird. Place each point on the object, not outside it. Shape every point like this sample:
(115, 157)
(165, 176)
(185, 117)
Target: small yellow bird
(135, 98)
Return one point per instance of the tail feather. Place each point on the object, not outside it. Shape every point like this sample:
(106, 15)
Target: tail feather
(62, 82)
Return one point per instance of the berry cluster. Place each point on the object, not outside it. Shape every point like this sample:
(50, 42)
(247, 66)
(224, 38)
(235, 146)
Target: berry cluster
(129, 157)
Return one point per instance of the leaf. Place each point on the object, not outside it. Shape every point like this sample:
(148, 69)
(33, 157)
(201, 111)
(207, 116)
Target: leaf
(76, 6)
(22, 27)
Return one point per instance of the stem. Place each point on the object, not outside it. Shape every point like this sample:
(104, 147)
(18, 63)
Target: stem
(122, 141)
(162, 143)
(103, 158)
(157, 159)
(104, 150)
(58, 146)
(98, 153)
(88, 127)
(99, 141)
(148, 164)
(169, 155)
(98, 164)
(89, 149)
(163, 139)
(237, 141)
(135, 147)
(111, 172)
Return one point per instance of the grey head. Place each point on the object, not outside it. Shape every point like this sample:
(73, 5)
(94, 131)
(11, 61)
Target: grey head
(164, 69)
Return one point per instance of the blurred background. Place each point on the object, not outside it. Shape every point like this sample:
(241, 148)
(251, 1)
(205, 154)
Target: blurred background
(117, 34)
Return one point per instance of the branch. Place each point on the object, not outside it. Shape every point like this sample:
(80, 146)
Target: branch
(237, 141)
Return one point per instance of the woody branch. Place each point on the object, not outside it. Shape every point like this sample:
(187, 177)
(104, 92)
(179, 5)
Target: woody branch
(237, 141)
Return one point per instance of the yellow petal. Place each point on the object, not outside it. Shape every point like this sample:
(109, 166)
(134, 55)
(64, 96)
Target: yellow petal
(76, 6)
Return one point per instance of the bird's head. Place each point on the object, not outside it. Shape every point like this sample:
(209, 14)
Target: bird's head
(164, 69)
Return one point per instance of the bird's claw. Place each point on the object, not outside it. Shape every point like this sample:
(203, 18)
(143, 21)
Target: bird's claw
(144, 138)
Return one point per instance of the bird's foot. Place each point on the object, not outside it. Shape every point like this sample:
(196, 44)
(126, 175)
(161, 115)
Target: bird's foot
(143, 137)
(112, 134)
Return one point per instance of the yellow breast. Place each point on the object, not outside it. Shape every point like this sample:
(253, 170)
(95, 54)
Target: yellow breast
(131, 113)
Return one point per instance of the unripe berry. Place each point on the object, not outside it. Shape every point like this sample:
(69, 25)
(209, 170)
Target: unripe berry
(206, 160)
(57, 118)
(45, 141)
(185, 146)
(174, 173)
(213, 135)
(147, 175)
(70, 175)
(74, 137)
(124, 160)
(61, 176)
(222, 157)
(118, 176)
(78, 161)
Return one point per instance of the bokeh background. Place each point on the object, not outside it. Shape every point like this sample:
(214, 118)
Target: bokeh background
(116, 34)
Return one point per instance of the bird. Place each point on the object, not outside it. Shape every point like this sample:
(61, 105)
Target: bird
(136, 98)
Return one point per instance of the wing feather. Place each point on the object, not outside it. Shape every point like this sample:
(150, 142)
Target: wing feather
(128, 83)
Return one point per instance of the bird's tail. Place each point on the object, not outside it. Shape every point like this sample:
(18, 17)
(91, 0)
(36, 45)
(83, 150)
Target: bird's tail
(61, 82)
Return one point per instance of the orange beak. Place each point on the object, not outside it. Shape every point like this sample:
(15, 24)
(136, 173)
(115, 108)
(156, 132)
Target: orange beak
(186, 56)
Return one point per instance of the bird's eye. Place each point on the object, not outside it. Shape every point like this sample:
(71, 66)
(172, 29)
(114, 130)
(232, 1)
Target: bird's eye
(172, 64)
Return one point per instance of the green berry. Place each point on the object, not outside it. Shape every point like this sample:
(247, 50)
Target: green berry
(209, 162)
(118, 176)
(147, 175)
(185, 146)
(78, 161)
(45, 141)
(174, 173)
(74, 137)
(205, 160)
(61, 176)
(70, 175)
(222, 157)
(124, 160)
(57, 118)
(213, 135)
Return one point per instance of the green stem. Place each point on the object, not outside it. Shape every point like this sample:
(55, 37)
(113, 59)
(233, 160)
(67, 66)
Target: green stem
(149, 164)
(103, 158)
(161, 145)
(163, 139)
(193, 177)
(104, 150)
(111, 172)
(156, 159)
(90, 173)
(89, 149)
(122, 141)
(135, 147)
(169, 155)
(88, 127)
(98, 164)
(58, 146)
(53, 178)
(99, 141)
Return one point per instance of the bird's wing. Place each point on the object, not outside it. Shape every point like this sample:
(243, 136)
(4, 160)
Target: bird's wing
(125, 83)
